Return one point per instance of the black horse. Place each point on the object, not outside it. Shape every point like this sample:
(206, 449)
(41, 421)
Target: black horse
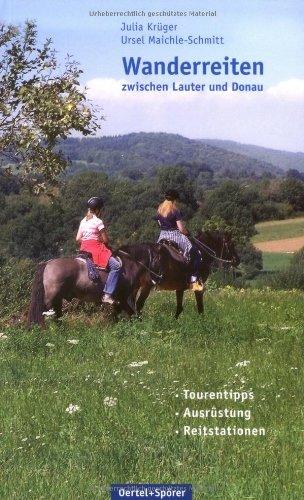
(215, 247)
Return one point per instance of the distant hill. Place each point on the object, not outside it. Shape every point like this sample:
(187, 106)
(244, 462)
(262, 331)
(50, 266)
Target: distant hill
(145, 151)
(282, 159)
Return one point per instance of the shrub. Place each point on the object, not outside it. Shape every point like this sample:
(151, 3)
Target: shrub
(15, 284)
(251, 261)
(291, 277)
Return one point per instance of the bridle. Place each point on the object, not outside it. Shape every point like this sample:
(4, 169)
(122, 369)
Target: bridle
(209, 251)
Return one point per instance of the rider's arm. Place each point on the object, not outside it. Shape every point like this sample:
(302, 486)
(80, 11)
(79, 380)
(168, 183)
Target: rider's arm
(182, 228)
(103, 235)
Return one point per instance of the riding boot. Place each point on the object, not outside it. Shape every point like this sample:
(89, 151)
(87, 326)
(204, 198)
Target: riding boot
(195, 266)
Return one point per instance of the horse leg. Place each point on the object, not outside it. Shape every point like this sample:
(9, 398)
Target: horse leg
(179, 302)
(53, 299)
(144, 293)
(57, 306)
(199, 296)
(126, 305)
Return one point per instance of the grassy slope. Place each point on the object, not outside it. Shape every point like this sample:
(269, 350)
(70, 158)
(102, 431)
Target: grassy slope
(277, 230)
(275, 261)
(47, 452)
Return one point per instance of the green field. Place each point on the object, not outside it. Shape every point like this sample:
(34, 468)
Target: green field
(277, 230)
(276, 261)
(48, 453)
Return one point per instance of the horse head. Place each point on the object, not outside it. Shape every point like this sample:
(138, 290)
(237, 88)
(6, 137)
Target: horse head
(218, 245)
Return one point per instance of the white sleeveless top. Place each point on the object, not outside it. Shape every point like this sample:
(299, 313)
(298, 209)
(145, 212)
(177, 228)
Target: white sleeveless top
(90, 228)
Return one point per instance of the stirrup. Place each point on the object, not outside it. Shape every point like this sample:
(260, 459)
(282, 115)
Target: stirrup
(197, 286)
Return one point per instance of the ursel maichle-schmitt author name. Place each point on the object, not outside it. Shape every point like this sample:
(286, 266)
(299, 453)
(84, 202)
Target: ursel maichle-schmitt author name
(159, 33)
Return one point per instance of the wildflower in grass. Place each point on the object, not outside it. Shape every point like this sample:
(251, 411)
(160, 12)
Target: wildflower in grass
(111, 353)
(293, 367)
(243, 363)
(72, 408)
(49, 344)
(150, 372)
(116, 372)
(24, 439)
(72, 341)
(3, 336)
(136, 364)
(109, 401)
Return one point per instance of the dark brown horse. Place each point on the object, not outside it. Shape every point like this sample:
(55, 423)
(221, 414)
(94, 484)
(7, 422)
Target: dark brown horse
(215, 247)
(67, 278)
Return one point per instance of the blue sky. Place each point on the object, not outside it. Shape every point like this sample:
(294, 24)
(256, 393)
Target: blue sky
(267, 30)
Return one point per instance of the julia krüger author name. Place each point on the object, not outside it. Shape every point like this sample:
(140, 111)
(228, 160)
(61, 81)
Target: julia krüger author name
(134, 26)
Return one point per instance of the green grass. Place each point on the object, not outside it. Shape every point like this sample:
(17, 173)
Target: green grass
(277, 230)
(48, 453)
(276, 261)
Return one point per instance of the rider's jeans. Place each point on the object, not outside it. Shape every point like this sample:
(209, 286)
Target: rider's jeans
(114, 267)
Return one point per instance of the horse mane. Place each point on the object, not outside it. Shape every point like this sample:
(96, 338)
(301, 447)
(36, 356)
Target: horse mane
(137, 250)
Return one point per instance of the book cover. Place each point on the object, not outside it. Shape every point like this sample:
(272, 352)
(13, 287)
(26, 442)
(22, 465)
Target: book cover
(151, 249)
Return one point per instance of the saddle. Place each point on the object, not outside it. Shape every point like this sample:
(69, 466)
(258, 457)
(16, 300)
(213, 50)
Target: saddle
(93, 270)
(174, 251)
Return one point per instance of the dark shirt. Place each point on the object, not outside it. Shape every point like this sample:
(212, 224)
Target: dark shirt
(168, 223)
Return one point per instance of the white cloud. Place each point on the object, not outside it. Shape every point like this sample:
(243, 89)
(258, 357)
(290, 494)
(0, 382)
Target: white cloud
(273, 118)
(289, 90)
(104, 88)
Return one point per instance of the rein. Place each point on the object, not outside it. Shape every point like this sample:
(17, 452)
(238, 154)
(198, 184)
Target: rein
(209, 251)
(141, 263)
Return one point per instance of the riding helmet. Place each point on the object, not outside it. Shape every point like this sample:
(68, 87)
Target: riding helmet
(172, 195)
(95, 202)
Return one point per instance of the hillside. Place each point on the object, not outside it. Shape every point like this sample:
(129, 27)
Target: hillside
(282, 159)
(142, 152)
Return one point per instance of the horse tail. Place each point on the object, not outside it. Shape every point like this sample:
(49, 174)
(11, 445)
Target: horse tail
(37, 304)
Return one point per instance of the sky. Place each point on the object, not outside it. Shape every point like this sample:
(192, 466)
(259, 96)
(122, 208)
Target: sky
(271, 31)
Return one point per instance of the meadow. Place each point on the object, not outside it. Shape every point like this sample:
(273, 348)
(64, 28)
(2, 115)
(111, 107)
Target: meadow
(84, 403)
(279, 229)
(276, 261)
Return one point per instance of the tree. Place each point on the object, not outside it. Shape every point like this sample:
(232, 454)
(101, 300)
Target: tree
(292, 191)
(40, 104)
(293, 173)
(230, 202)
(176, 178)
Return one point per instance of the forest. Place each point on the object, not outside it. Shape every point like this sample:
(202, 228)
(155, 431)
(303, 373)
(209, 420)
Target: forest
(131, 173)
